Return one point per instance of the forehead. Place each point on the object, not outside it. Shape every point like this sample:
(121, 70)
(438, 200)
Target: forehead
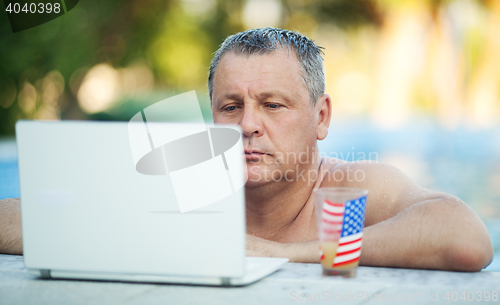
(278, 69)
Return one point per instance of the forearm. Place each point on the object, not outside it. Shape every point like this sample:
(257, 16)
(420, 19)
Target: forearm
(420, 237)
(300, 252)
(10, 227)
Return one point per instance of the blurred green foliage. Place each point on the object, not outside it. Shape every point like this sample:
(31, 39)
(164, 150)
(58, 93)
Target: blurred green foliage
(114, 32)
(175, 43)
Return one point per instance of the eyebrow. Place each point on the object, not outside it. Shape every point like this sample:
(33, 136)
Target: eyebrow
(277, 93)
(261, 96)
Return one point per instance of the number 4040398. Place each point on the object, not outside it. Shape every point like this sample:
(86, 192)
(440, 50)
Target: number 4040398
(33, 8)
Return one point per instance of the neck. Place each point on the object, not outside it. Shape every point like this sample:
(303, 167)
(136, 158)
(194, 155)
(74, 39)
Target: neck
(272, 208)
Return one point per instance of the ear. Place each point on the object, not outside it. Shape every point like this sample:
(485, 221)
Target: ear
(323, 110)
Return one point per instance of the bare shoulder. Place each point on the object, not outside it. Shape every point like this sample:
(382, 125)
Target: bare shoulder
(363, 174)
(389, 189)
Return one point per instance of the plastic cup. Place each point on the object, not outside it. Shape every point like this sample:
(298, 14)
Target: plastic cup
(340, 217)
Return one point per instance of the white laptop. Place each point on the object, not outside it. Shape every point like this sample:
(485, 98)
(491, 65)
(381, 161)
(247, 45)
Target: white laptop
(117, 201)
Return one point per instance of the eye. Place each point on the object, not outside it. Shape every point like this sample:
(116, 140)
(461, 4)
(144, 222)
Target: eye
(230, 108)
(274, 106)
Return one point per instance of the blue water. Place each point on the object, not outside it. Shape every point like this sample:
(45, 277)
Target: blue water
(9, 179)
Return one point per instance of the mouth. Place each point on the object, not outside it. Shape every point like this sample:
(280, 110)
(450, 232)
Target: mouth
(253, 155)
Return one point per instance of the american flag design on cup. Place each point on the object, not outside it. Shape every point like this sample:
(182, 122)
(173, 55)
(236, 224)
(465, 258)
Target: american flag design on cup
(344, 222)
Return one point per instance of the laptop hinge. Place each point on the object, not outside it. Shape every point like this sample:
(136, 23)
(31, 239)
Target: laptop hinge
(225, 281)
(45, 273)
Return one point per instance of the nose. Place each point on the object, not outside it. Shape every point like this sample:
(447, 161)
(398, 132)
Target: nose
(251, 124)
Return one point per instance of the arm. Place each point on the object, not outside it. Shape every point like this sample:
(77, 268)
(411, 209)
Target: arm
(438, 233)
(412, 227)
(11, 241)
(301, 252)
(405, 226)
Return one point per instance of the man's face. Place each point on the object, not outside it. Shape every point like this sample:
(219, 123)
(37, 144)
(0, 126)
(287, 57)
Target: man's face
(265, 95)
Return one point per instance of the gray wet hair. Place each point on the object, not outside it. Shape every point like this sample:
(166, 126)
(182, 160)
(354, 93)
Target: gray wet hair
(266, 40)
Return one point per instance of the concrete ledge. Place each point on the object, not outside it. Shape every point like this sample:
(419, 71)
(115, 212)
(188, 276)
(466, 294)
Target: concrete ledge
(302, 283)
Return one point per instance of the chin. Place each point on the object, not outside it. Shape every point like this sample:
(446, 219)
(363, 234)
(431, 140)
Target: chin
(259, 175)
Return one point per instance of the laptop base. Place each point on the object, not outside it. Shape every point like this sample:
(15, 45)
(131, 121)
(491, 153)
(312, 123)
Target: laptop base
(256, 269)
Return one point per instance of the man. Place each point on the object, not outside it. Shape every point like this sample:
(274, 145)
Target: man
(271, 82)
